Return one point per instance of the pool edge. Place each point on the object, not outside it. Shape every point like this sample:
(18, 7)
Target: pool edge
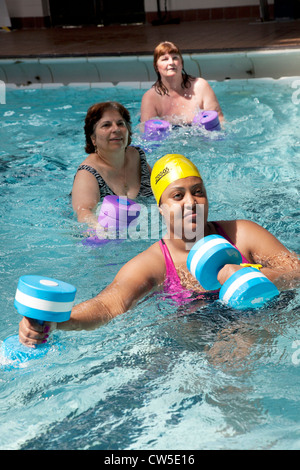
(138, 69)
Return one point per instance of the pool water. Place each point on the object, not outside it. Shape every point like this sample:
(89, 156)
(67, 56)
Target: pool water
(157, 377)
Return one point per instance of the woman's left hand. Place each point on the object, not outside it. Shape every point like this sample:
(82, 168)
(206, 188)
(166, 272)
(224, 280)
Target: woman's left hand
(32, 333)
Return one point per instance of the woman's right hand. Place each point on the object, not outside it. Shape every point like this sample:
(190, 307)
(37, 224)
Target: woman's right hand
(227, 271)
(32, 333)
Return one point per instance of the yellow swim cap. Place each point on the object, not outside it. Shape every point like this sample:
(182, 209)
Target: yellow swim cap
(170, 168)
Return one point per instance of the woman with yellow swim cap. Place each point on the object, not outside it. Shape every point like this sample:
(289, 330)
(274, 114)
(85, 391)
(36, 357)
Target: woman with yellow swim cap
(179, 191)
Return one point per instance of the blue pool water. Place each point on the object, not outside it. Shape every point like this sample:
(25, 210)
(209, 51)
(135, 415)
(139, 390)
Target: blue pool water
(156, 377)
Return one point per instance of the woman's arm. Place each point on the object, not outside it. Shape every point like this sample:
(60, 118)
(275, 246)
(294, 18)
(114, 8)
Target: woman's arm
(261, 247)
(148, 108)
(137, 278)
(85, 197)
(280, 265)
(133, 282)
(210, 101)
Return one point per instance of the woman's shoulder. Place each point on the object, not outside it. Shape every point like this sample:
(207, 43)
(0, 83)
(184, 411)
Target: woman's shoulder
(200, 83)
(153, 257)
(246, 234)
(88, 173)
(238, 227)
(136, 151)
(88, 161)
(149, 264)
(150, 93)
(151, 98)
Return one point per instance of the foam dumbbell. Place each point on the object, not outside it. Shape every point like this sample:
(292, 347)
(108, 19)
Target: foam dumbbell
(43, 299)
(117, 213)
(208, 119)
(156, 129)
(246, 288)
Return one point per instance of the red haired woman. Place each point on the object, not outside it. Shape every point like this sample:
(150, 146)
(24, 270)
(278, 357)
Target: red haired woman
(176, 96)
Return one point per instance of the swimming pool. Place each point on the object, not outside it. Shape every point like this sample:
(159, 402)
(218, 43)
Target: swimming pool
(156, 377)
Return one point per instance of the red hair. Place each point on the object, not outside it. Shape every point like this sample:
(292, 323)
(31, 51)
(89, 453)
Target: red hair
(163, 48)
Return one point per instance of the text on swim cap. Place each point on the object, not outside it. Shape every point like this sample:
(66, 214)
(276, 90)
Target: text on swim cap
(161, 174)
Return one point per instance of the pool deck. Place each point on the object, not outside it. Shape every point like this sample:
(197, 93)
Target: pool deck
(216, 50)
(191, 37)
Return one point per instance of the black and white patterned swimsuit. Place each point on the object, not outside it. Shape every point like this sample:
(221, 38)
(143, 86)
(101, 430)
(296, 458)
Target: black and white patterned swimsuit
(145, 188)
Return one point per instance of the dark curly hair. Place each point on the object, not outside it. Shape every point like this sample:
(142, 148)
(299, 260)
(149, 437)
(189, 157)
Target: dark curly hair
(163, 48)
(95, 112)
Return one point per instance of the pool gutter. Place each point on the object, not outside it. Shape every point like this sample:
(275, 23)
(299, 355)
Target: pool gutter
(138, 70)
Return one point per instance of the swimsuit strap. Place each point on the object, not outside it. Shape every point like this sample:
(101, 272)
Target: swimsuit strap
(222, 232)
(172, 284)
(172, 277)
(103, 187)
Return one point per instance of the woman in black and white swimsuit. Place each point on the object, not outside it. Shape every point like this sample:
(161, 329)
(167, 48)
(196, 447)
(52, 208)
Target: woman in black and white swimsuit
(112, 166)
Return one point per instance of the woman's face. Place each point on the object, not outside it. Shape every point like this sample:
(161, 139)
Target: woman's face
(110, 132)
(169, 64)
(184, 206)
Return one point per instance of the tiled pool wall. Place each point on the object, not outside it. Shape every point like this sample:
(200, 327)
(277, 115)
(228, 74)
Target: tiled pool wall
(138, 71)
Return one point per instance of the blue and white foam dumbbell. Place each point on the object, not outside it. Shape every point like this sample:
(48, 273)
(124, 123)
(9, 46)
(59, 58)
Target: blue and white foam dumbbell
(246, 288)
(43, 299)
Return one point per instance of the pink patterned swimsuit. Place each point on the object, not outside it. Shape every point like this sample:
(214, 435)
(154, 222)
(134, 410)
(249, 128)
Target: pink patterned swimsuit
(172, 284)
